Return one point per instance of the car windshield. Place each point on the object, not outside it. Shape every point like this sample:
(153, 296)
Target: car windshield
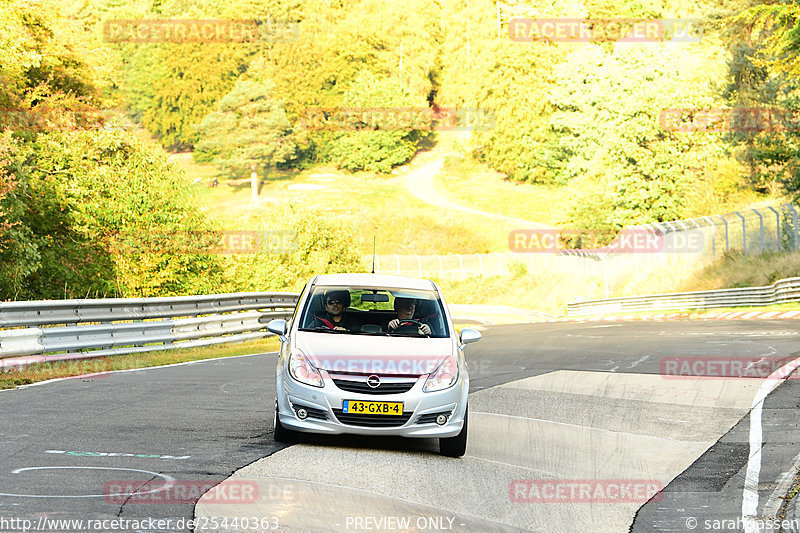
(374, 311)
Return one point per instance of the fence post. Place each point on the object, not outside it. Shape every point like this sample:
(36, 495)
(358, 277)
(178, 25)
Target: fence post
(713, 237)
(727, 244)
(744, 231)
(794, 226)
(760, 228)
(777, 225)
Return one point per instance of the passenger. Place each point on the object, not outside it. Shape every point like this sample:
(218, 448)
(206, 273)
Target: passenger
(334, 316)
(405, 321)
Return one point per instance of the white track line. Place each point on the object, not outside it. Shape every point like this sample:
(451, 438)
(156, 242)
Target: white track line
(750, 491)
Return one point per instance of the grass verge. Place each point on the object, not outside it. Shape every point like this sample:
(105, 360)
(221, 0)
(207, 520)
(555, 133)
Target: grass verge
(737, 269)
(10, 378)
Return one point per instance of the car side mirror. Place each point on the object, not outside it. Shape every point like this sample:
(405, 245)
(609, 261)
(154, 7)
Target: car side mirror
(469, 335)
(278, 327)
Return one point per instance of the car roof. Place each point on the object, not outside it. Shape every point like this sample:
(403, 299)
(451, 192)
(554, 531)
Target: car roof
(374, 281)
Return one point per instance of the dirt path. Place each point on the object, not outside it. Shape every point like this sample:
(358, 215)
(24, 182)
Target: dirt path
(420, 183)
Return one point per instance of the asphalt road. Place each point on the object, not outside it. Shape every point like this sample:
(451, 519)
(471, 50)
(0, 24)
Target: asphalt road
(66, 446)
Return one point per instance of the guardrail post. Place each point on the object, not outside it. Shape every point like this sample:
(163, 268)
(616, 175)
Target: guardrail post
(778, 225)
(760, 228)
(744, 231)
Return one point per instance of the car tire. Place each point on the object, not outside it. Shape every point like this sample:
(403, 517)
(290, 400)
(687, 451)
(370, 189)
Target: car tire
(455, 446)
(280, 433)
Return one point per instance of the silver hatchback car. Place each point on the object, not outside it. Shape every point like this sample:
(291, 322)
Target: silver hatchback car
(369, 354)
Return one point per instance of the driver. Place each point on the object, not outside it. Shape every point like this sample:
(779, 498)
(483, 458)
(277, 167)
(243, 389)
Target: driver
(334, 317)
(405, 308)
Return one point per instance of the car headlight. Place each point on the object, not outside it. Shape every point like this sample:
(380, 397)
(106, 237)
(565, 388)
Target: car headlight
(303, 371)
(443, 377)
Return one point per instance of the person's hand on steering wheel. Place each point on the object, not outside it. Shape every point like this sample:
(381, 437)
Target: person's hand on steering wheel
(423, 329)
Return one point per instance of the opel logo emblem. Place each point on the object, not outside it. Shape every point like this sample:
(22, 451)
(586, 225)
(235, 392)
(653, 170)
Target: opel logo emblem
(373, 381)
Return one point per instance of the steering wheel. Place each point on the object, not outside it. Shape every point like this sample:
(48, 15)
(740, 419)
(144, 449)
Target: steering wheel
(411, 322)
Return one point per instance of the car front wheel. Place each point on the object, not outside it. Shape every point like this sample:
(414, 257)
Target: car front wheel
(280, 433)
(455, 446)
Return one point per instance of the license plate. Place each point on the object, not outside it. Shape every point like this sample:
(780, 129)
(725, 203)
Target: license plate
(372, 408)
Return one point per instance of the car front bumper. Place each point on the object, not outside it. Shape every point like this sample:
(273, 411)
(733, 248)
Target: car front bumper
(322, 404)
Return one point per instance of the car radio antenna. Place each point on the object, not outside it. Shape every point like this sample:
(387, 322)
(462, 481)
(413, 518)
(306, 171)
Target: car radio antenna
(373, 254)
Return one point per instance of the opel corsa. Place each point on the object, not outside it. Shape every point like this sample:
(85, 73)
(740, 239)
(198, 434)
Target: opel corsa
(368, 354)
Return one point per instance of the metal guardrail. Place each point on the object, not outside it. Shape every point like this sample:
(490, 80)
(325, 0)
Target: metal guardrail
(80, 329)
(785, 290)
(71, 312)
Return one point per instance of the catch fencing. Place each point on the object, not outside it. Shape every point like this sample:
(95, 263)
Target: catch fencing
(769, 228)
(689, 241)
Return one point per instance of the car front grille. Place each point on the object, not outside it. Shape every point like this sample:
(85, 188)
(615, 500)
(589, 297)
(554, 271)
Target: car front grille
(371, 421)
(385, 387)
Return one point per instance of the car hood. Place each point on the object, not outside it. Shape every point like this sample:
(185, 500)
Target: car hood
(367, 354)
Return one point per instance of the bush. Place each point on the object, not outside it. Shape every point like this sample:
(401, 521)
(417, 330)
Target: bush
(306, 243)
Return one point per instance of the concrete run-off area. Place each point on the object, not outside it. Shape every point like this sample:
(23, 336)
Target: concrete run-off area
(563, 451)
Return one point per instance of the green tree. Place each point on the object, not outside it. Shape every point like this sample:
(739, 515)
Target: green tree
(7, 184)
(764, 73)
(622, 157)
(170, 87)
(386, 137)
(99, 212)
(248, 131)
